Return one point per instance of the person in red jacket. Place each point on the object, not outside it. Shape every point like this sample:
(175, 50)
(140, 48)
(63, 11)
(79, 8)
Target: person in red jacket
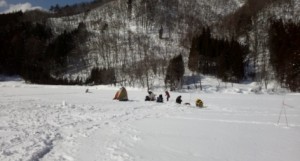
(168, 95)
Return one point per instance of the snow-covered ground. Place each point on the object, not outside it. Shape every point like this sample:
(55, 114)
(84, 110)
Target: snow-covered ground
(63, 123)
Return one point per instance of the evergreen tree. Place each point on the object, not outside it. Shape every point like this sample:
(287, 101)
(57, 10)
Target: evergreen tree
(193, 63)
(129, 8)
(284, 46)
(175, 72)
(217, 57)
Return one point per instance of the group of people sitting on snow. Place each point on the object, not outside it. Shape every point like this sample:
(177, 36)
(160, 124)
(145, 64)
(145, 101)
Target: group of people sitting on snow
(151, 97)
(160, 99)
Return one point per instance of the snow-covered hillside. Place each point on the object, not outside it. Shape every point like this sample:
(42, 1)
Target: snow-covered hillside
(117, 38)
(129, 42)
(63, 123)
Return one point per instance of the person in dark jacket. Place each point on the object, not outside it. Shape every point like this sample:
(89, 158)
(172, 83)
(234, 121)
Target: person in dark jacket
(178, 100)
(168, 95)
(160, 99)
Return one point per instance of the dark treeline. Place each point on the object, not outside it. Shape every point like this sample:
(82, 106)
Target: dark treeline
(284, 42)
(101, 76)
(22, 44)
(219, 57)
(30, 50)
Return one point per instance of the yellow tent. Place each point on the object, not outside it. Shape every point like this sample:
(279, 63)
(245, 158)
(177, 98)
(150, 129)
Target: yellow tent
(121, 95)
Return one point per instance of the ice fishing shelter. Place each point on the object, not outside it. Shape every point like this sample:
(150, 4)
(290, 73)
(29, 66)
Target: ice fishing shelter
(121, 95)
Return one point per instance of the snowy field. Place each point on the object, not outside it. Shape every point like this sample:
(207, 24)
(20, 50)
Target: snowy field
(63, 123)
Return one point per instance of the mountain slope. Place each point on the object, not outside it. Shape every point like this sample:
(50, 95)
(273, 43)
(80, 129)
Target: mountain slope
(132, 42)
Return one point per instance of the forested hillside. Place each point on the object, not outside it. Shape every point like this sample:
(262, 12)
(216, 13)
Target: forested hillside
(134, 41)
